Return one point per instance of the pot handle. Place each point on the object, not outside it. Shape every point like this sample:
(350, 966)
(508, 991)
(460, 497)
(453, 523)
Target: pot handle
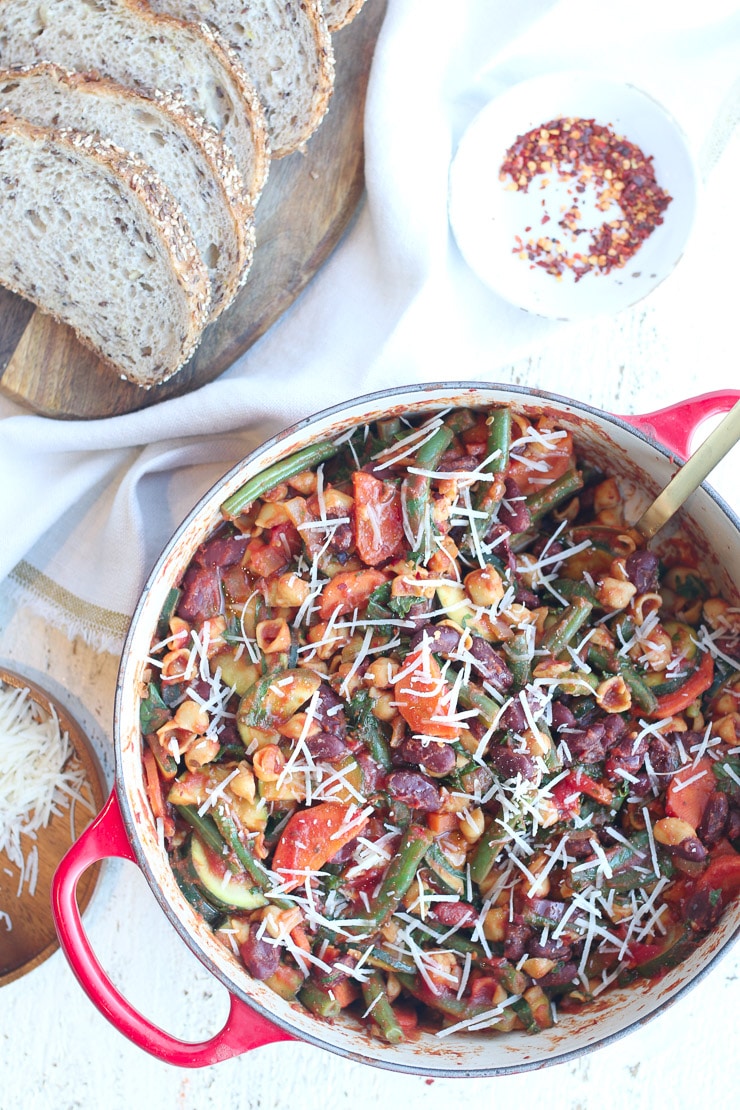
(675, 425)
(244, 1029)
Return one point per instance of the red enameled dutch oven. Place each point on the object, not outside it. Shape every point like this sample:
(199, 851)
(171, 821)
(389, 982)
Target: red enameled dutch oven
(643, 449)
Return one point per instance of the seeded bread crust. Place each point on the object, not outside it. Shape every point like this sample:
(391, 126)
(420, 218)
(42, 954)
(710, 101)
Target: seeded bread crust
(128, 42)
(187, 154)
(157, 226)
(340, 12)
(286, 48)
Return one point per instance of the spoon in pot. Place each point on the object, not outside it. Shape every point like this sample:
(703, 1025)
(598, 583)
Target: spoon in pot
(693, 472)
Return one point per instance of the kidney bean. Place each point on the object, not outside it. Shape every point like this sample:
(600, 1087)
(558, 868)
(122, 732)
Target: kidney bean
(690, 849)
(587, 745)
(372, 773)
(514, 514)
(614, 729)
(221, 551)
(732, 832)
(579, 843)
(559, 976)
(330, 711)
(642, 570)
(509, 764)
(499, 534)
(626, 755)
(327, 746)
(562, 717)
(414, 790)
(490, 664)
(442, 639)
(261, 959)
(436, 758)
(420, 610)
(518, 937)
(547, 908)
(550, 950)
(663, 755)
(701, 914)
(526, 596)
(343, 540)
(642, 785)
(451, 462)
(514, 717)
(201, 594)
(714, 819)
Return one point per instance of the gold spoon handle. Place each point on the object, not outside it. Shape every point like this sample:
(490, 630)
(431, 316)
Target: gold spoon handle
(692, 474)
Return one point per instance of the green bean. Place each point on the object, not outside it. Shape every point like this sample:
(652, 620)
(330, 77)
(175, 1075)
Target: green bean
(574, 617)
(369, 730)
(416, 488)
(206, 829)
(254, 868)
(374, 994)
(400, 875)
(569, 588)
(498, 444)
(607, 661)
(519, 660)
(279, 472)
(547, 498)
(486, 852)
(388, 430)
(470, 697)
(318, 1001)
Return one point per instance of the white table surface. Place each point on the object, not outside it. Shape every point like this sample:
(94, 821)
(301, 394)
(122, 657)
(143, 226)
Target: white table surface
(57, 1051)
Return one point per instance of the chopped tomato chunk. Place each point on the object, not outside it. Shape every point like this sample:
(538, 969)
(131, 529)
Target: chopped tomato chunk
(312, 837)
(377, 519)
(348, 590)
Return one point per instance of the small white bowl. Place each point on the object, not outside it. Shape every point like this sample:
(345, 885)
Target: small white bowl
(486, 217)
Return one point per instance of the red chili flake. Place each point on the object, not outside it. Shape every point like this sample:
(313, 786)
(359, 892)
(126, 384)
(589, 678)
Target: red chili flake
(589, 154)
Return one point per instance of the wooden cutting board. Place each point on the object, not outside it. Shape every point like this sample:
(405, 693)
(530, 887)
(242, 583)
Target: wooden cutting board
(308, 202)
(32, 938)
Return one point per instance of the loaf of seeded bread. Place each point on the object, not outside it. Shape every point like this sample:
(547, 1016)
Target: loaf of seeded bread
(190, 159)
(94, 238)
(125, 40)
(285, 47)
(339, 13)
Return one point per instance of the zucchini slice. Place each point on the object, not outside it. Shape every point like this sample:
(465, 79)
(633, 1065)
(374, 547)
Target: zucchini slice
(228, 889)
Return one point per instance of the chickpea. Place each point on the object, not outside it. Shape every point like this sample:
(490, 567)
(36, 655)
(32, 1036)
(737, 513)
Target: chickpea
(538, 966)
(471, 824)
(672, 830)
(484, 587)
(494, 924)
(271, 514)
(381, 673)
(384, 708)
(288, 590)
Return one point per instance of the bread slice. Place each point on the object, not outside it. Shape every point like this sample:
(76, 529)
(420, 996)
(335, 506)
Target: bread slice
(285, 47)
(125, 40)
(92, 237)
(189, 158)
(339, 13)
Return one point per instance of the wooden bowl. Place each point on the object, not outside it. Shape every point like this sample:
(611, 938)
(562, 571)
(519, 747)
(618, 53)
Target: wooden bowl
(33, 937)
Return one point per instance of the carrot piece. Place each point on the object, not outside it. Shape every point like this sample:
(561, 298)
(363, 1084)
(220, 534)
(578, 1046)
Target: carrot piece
(345, 992)
(695, 685)
(419, 695)
(441, 822)
(153, 784)
(688, 802)
(348, 590)
(299, 938)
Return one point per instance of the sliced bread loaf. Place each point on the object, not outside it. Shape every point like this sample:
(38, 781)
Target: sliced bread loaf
(92, 237)
(191, 160)
(340, 12)
(125, 40)
(285, 47)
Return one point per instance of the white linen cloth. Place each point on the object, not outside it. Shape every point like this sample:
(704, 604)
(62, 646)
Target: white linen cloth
(87, 506)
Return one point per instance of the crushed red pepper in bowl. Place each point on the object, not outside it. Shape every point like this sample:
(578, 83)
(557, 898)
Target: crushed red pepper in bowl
(594, 157)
